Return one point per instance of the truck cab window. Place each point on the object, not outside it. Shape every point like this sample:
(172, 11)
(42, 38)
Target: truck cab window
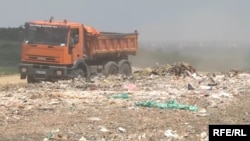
(46, 34)
(74, 34)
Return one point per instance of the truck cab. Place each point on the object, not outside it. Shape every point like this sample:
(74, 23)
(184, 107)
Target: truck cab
(49, 49)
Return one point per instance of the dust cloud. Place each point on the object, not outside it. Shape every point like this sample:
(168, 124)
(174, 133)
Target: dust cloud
(211, 37)
(206, 57)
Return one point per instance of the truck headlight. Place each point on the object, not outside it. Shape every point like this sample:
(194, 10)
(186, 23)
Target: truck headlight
(58, 72)
(24, 70)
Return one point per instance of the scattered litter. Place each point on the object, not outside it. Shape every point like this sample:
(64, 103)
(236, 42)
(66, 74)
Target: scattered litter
(203, 136)
(50, 135)
(46, 108)
(221, 95)
(83, 139)
(54, 103)
(94, 119)
(129, 86)
(122, 130)
(190, 87)
(171, 134)
(205, 87)
(202, 113)
(59, 136)
(103, 129)
(142, 136)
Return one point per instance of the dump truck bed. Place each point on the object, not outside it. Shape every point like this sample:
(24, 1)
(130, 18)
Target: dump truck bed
(109, 44)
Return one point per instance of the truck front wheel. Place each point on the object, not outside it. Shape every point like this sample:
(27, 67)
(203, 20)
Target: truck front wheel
(30, 79)
(110, 68)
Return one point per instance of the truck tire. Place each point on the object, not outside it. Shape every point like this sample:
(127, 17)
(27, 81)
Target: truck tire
(111, 68)
(30, 79)
(124, 67)
(79, 73)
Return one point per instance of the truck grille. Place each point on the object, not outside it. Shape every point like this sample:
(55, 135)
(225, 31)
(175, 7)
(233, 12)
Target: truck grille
(42, 58)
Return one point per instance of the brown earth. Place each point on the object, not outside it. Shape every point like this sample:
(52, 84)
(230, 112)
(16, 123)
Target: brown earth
(66, 111)
(11, 79)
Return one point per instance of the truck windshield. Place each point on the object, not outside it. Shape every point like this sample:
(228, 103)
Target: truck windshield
(47, 34)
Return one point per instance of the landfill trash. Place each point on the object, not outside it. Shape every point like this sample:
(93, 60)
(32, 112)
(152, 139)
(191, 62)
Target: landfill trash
(121, 96)
(221, 94)
(54, 103)
(94, 119)
(202, 113)
(196, 76)
(55, 135)
(216, 90)
(171, 104)
(171, 134)
(103, 129)
(212, 84)
(177, 69)
(205, 87)
(122, 130)
(142, 136)
(50, 135)
(144, 72)
(190, 87)
(203, 136)
(83, 139)
(59, 136)
(129, 86)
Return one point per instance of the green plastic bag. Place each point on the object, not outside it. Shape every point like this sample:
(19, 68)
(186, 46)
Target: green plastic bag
(171, 104)
(121, 96)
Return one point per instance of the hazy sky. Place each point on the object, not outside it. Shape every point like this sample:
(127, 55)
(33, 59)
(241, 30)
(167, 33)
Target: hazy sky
(181, 20)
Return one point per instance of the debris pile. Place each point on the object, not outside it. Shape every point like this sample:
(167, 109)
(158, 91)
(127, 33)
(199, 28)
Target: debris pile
(177, 69)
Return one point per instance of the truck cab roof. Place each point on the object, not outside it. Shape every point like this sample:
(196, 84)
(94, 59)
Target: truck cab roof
(65, 23)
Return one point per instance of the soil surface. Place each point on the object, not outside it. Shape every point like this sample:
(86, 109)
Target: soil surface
(11, 79)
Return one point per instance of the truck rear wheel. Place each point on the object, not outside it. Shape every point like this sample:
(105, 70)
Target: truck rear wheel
(111, 68)
(124, 67)
(79, 73)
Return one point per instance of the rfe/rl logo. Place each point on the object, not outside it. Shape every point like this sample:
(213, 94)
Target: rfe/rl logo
(228, 132)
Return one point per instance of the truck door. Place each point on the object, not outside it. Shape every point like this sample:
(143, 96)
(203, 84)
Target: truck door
(74, 44)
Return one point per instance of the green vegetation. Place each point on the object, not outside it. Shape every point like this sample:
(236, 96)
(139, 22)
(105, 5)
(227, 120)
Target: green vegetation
(9, 56)
(10, 49)
(8, 70)
(11, 34)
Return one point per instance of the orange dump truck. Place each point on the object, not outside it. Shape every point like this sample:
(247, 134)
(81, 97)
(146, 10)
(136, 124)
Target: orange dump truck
(55, 50)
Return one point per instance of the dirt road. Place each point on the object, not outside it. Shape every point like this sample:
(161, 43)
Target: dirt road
(11, 79)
